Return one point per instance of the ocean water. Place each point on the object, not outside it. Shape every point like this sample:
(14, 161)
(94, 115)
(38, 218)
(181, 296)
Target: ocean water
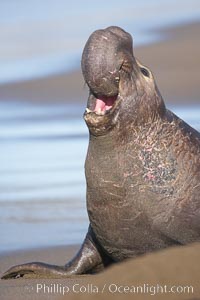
(42, 183)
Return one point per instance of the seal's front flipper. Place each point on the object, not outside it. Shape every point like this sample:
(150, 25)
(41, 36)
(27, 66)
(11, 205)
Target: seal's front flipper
(34, 270)
(89, 259)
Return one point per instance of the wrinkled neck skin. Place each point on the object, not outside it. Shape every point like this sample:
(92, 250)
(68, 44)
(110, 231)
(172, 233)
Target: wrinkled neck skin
(141, 109)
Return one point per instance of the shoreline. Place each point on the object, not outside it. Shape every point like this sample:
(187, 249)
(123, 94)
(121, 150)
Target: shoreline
(173, 61)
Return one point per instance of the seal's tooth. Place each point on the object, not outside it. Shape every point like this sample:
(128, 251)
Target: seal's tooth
(88, 110)
(99, 111)
(103, 112)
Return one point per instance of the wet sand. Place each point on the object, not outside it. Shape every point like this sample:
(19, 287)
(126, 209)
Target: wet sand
(175, 64)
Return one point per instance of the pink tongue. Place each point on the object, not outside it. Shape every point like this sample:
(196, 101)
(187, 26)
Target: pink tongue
(104, 104)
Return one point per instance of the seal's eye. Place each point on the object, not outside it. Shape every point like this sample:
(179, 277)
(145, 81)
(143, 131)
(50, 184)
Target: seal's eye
(145, 72)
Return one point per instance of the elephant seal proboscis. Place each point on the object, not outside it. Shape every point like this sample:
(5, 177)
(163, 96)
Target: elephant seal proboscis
(142, 166)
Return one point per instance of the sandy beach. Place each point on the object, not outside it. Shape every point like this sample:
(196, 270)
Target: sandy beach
(175, 64)
(168, 274)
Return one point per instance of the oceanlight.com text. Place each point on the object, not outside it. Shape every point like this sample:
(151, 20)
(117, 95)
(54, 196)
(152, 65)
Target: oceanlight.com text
(111, 288)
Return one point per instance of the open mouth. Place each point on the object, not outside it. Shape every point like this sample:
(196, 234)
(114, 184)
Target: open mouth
(101, 105)
(101, 113)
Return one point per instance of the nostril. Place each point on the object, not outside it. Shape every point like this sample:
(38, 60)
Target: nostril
(126, 64)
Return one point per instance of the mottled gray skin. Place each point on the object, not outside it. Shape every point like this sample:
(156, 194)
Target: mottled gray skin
(142, 166)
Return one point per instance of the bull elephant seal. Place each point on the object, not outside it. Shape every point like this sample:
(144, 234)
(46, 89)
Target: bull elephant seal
(142, 166)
